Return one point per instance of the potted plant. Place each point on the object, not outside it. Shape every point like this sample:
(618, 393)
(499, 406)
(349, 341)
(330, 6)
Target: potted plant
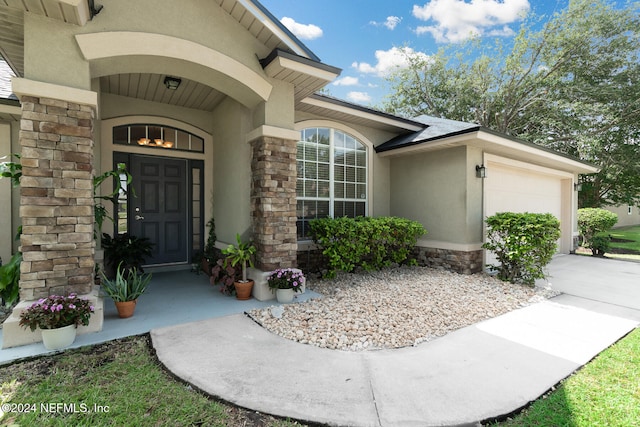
(209, 253)
(285, 282)
(241, 254)
(131, 251)
(58, 317)
(226, 275)
(125, 288)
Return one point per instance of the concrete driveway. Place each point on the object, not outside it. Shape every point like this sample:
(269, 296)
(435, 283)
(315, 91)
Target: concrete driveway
(589, 281)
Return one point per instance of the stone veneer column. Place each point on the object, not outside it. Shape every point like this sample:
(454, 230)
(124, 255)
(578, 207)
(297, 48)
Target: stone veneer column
(56, 204)
(273, 202)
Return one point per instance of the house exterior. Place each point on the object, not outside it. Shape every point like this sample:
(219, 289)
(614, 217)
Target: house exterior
(214, 111)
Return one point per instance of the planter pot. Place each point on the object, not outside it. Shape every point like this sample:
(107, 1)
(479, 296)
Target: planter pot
(243, 289)
(285, 295)
(206, 267)
(56, 339)
(126, 308)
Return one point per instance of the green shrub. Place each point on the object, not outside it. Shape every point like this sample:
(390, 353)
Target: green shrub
(523, 244)
(600, 245)
(10, 280)
(369, 243)
(592, 221)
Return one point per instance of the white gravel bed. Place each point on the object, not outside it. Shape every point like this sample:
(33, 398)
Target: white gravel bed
(393, 308)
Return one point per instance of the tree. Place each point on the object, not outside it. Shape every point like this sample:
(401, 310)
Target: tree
(573, 85)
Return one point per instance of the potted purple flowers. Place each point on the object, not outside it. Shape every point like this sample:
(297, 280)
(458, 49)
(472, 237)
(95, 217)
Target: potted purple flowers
(285, 282)
(58, 317)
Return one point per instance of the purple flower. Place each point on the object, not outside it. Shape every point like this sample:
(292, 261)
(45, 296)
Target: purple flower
(71, 306)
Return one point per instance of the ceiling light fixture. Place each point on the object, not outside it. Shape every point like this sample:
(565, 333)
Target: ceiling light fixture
(172, 83)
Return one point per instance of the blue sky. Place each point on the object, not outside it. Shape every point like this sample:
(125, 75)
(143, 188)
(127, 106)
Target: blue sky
(362, 37)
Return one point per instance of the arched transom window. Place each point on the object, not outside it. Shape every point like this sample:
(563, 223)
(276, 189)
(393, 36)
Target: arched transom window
(332, 176)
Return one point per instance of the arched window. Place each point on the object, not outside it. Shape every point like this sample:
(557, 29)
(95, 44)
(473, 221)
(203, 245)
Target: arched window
(332, 176)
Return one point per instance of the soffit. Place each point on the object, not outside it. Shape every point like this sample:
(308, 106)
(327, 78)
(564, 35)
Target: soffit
(12, 36)
(341, 111)
(150, 87)
(264, 26)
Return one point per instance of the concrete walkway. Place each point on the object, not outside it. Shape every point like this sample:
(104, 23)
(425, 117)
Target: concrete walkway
(476, 373)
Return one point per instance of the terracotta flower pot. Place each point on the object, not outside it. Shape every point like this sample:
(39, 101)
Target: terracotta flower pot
(243, 289)
(126, 308)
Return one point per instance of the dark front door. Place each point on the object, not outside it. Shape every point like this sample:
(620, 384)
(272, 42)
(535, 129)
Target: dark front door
(160, 210)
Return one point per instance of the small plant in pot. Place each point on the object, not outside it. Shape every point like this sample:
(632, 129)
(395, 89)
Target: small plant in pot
(226, 275)
(125, 288)
(241, 254)
(285, 282)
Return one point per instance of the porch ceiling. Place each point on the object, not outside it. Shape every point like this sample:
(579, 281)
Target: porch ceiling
(150, 87)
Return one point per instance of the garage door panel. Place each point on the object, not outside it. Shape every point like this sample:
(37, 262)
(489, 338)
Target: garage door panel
(508, 189)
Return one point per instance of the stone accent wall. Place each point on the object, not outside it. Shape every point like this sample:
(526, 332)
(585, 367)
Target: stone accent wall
(56, 204)
(312, 260)
(456, 261)
(273, 202)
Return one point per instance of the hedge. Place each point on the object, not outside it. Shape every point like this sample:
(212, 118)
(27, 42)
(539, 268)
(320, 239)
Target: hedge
(523, 243)
(369, 243)
(592, 221)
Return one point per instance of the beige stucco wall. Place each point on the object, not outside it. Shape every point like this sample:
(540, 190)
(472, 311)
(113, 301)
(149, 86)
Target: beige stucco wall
(231, 170)
(5, 195)
(52, 53)
(625, 218)
(432, 188)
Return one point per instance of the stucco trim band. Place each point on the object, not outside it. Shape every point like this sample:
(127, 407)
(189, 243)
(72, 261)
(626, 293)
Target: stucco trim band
(273, 132)
(114, 44)
(25, 87)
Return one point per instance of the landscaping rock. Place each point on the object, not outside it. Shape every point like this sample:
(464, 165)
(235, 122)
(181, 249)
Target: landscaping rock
(394, 308)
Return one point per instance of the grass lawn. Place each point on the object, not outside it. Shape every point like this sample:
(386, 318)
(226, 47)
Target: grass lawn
(606, 392)
(119, 383)
(631, 234)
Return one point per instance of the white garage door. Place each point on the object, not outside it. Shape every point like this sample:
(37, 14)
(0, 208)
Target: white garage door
(516, 189)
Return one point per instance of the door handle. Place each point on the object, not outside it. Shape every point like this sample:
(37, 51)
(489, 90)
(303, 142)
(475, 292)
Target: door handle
(139, 217)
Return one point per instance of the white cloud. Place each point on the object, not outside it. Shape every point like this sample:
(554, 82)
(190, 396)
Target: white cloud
(360, 97)
(392, 22)
(457, 20)
(302, 31)
(388, 61)
(347, 81)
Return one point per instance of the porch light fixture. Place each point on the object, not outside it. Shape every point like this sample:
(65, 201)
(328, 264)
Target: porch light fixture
(481, 171)
(577, 186)
(143, 141)
(172, 83)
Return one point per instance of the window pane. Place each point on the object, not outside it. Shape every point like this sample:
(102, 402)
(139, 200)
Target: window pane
(360, 209)
(323, 171)
(310, 189)
(362, 191)
(338, 157)
(310, 170)
(349, 142)
(197, 144)
(361, 175)
(338, 173)
(338, 139)
(300, 152)
(138, 132)
(323, 154)
(351, 191)
(351, 174)
(338, 209)
(299, 188)
(323, 189)
(322, 209)
(323, 136)
(361, 158)
(121, 135)
(338, 189)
